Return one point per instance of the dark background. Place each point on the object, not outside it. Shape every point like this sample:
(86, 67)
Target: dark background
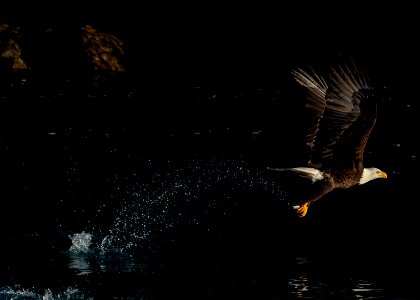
(226, 42)
(222, 72)
(217, 70)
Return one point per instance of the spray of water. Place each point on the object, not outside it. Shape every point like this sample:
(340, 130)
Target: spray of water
(30, 294)
(80, 241)
(188, 195)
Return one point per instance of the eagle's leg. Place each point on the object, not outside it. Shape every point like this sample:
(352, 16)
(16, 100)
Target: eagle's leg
(302, 209)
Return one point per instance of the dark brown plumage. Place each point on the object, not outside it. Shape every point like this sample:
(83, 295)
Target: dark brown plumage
(342, 114)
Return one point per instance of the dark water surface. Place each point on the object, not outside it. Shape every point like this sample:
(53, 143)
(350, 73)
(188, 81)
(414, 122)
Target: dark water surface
(131, 189)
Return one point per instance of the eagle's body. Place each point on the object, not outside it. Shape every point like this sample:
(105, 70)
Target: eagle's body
(342, 113)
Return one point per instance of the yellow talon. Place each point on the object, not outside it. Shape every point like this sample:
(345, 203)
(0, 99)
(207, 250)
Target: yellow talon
(302, 210)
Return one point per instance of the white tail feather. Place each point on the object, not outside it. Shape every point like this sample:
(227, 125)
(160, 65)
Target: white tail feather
(311, 173)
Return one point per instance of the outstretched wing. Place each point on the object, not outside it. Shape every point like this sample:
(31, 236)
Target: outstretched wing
(352, 83)
(336, 105)
(315, 91)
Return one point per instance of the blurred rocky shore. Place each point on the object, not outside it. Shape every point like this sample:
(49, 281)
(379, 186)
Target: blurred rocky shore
(55, 50)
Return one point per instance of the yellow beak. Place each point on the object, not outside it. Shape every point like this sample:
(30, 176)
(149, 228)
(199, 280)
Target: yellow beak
(382, 175)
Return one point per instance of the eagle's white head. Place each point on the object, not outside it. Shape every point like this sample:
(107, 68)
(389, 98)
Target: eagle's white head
(370, 174)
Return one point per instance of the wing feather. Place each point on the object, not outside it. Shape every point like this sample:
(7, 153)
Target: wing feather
(316, 89)
(338, 118)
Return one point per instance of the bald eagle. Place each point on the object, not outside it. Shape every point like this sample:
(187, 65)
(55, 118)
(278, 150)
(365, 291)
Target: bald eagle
(342, 113)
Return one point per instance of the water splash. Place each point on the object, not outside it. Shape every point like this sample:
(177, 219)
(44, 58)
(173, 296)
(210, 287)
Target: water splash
(190, 194)
(29, 294)
(80, 252)
(10, 293)
(81, 241)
